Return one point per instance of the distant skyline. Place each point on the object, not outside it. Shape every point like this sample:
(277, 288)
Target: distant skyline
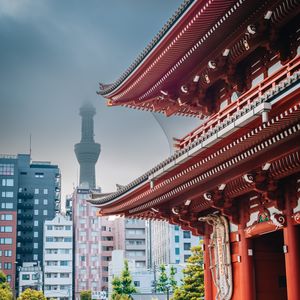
(53, 54)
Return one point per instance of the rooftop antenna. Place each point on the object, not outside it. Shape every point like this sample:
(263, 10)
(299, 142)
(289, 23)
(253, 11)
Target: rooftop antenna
(30, 145)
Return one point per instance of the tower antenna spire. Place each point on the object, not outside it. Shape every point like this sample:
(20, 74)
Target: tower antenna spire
(87, 151)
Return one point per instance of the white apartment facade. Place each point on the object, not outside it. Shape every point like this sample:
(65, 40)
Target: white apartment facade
(58, 258)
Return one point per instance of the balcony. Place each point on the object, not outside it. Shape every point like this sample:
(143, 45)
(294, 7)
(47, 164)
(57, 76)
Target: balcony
(25, 227)
(25, 249)
(25, 195)
(25, 205)
(25, 239)
(25, 216)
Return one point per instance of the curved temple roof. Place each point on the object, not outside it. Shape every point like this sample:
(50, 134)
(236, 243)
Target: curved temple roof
(106, 89)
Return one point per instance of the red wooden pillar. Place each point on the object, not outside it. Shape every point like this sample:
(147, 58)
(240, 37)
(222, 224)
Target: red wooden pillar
(208, 293)
(292, 261)
(246, 270)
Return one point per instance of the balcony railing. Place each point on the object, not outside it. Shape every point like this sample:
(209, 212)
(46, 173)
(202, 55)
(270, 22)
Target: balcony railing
(247, 98)
(25, 239)
(25, 205)
(25, 227)
(25, 195)
(26, 216)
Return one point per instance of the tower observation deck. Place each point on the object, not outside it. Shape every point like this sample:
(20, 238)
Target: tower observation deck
(87, 151)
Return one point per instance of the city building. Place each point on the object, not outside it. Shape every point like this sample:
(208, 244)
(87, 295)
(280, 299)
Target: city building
(68, 206)
(136, 242)
(93, 236)
(58, 258)
(30, 277)
(143, 278)
(93, 244)
(235, 178)
(30, 194)
(169, 243)
(8, 216)
(87, 151)
(38, 201)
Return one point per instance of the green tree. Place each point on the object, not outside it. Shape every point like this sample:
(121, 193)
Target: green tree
(193, 277)
(126, 280)
(163, 280)
(117, 288)
(123, 286)
(5, 290)
(30, 294)
(172, 281)
(86, 295)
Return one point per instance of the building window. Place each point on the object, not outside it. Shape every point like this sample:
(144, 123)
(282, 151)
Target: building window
(6, 241)
(186, 234)
(67, 239)
(64, 262)
(8, 278)
(177, 251)
(6, 217)
(35, 234)
(45, 201)
(36, 191)
(7, 169)
(67, 227)
(7, 253)
(176, 227)
(136, 283)
(6, 205)
(25, 277)
(49, 227)
(36, 223)
(82, 258)
(36, 212)
(36, 201)
(7, 266)
(187, 246)
(177, 261)
(176, 238)
(45, 212)
(45, 191)
(186, 257)
(7, 182)
(5, 228)
(35, 257)
(7, 194)
(35, 245)
(39, 175)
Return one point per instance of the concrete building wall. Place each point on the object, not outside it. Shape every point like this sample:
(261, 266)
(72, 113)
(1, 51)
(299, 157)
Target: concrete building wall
(8, 216)
(170, 244)
(30, 276)
(94, 241)
(58, 258)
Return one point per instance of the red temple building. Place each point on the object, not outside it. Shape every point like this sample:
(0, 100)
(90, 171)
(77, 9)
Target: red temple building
(235, 180)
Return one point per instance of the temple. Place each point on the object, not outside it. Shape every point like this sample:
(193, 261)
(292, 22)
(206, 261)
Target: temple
(235, 179)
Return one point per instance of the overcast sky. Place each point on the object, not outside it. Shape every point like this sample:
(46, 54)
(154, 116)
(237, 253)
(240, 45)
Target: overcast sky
(53, 53)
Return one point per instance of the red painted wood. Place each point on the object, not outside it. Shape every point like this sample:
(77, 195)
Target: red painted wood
(292, 240)
(246, 276)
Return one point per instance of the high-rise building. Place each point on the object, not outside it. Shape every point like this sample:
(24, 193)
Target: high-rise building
(87, 151)
(29, 195)
(58, 258)
(169, 243)
(38, 201)
(93, 244)
(8, 215)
